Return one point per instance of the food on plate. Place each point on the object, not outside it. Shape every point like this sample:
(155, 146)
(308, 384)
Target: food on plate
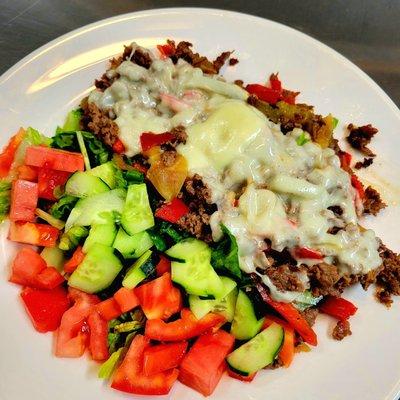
(187, 226)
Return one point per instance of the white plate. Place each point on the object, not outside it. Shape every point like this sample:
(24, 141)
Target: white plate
(42, 87)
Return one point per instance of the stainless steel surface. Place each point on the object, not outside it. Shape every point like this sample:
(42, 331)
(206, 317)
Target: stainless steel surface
(365, 31)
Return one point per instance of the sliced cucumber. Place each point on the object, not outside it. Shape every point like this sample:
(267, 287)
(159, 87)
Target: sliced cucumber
(106, 172)
(143, 267)
(137, 215)
(195, 272)
(132, 246)
(245, 324)
(96, 209)
(258, 352)
(71, 238)
(83, 184)
(225, 306)
(100, 233)
(97, 271)
(54, 257)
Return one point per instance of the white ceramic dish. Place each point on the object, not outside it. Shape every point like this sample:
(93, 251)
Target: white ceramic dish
(41, 88)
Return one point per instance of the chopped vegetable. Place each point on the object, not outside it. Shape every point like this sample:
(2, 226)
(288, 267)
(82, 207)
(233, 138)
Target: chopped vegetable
(305, 252)
(109, 309)
(126, 299)
(78, 256)
(302, 139)
(71, 238)
(73, 120)
(57, 223)
(98, 328)
(8, 153)
(82, 148)
(5, 194)
(338, 307)
(108, 367)
(172, 211)
(149, 140)
(24, 198)
(32, 233)
(63, 207)
(118, 147)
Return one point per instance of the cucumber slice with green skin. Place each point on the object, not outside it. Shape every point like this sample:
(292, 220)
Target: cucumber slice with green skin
(137, 215)
(225, 306)
(96, 209)
(106, 172)
(83, 184)
(100, 233)
(195, 272)
(132, 246)
(97, 271)
(143, 267)
(54, 257)
(258, 352)
(245, 324)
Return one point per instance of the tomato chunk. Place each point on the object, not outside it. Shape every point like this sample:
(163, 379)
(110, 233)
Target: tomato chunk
(149, 140)
(109, 309)
(78, 256)
(163, 266)
(45, 307)
(60, 160)
(159, 298)
(182, 329)
(32, 233)
(264, 93)
(118, 147)
(26, 266)
(130, 377)
(49, 278)
(305, 252)
(162, 357)
(204, 364)
(98, 337)
(24, 198)
(126, 299)
(48, 180)
(27, 173)
(338, 307)
(172, 211)
(358, 186)
(8, 153)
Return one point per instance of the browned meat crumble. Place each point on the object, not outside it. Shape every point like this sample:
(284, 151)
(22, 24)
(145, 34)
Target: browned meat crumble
(284, 277)
(310, 315)
(372, 201)
(388, 279)
(233, 61)
(341, 330)
(360, 137)
(323, 279)
(364, 163)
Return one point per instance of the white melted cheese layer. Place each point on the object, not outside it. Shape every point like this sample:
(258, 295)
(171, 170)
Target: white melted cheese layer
(283, 189)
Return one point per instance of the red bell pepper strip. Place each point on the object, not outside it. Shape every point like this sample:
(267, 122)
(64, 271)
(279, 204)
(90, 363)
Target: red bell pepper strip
(32, 233)
(291, 315)
(48, 180)
(45, 307)
(130, 378)
(60, 160)
(118, 147)
(240, 377)
(78, 256)
(27, 173)
(163, 266)
(338, 307)
(172, 211)
(204, 364)
(305, 252)
(98, 332)
(72, 335)
(345, 159)
(109, 309)
(8, 153)
(166, 50)
(264, 93)
(126, 299)
(158, 298)
(149, 140)
(355, 182)
(182, 329)
(24, 198)
(163, 357)
(275, 82)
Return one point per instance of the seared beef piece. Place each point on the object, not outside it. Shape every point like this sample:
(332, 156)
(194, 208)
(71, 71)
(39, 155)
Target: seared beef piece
(233, 61)
(284, 278)
(323, 278)
(221, 60)
(388, 280)
(372, 201)
(360, 137)
(168, 157)
(336, 210)
(310, 315)
(364, 163)
(341, 330)
(104, 82)
(95, 120)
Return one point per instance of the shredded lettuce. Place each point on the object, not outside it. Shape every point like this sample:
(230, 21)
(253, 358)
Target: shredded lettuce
(164, 235)
(71, 238)
(63, 207)
(108, 367)
(82, 147)
(306, 300)
(57, 223)
(73, 120)
(225, 255)
(335, 122)
(302, 139)
(5, 193)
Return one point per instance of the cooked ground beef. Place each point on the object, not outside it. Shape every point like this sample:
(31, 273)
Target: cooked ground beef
(341, 330)
(197, 197)
(96, 121)
(233, 61)
(323, 278)
(364, 163)
(168, 157)
(310, 315)
(284, 277)
(104, 82)
(337, 210)
(360, 137)
(372, 201)
(221, 60)
(388, 279)
(180, 136)
(239, 83)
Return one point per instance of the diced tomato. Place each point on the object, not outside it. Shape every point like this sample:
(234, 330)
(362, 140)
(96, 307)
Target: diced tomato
(126, 299)
(45, 307)
(345, 159)
(338, 307)
(24, 198)
(355, 182)
(48, 180)
(71, 338)
(305, 252)
(159, 298)
(264, 93)
(290, 313)
(118, 147)
(109, 309)
(8, 153)
(49, 278)
(243, 378)
(78, 256)
(27, 173)
(163, 357)
(27, 265)
(130, 377)
(182, 329)
(166, 50)
(163, 266)
(98, 337)
(172, 211)
(35, 234)
(149, 140)
(60, 160)
(204, 364)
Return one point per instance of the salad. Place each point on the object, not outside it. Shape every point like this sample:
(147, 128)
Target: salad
(178, 226)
